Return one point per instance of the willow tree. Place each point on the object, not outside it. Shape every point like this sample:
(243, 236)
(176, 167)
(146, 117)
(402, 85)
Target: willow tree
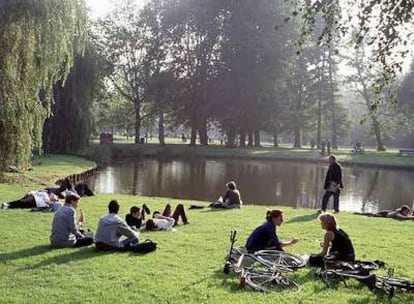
(39, 40)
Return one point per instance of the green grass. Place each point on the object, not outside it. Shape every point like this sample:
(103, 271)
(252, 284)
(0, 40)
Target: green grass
(187, 267)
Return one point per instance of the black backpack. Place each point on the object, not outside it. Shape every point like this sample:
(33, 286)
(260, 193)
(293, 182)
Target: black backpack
(144, 247)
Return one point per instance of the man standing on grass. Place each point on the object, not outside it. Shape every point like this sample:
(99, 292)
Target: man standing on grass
(333, 181)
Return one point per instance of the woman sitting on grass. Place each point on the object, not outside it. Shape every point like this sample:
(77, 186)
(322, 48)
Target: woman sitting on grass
(166, 221)
(231, 198)
(336, 245)
(265, 237)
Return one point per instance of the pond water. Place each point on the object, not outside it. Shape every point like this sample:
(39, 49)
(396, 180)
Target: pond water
(278, 183)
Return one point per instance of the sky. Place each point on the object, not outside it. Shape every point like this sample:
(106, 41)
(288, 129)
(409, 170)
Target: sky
(99, 8)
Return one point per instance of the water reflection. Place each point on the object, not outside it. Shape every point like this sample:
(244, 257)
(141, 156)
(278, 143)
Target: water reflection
(260, 182)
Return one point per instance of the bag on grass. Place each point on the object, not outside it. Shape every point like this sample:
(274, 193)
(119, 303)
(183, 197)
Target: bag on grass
(144, 247)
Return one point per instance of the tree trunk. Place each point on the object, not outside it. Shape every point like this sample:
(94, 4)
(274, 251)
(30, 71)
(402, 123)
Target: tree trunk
(137, 123)
(242, 138)
(202, 132)
(231, 137)
(161, 135)
(297, 141)
(332, 97)
(250, 138)
(257, 138)
(377, 131)
(275, 141)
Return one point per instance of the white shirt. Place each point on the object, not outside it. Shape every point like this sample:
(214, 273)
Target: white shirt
(41, 198)
(164, 224)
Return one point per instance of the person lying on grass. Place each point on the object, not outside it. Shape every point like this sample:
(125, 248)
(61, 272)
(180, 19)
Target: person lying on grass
(65, 229)
(265, 236)
(136, 216)
(110, 230)
(166, 221)
(336, 246)
(33, 199)
(402, 213)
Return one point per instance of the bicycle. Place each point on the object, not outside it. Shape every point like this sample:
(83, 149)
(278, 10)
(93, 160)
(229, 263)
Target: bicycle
(263, 270)
(362, 271)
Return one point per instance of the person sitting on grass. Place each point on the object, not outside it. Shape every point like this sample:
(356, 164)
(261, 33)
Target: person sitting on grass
(265, 237)
(231, 198)
(336, 246)
(136, 216)
(402, 213)
(33, 199)
(65, 229)
(166, 221)
(111, 228)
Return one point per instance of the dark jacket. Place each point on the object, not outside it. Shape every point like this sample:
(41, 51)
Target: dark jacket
(263, 237)
(334, 174)
(133, 221)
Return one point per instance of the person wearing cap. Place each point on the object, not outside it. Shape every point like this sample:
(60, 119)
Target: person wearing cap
(231, 198)
(110, 230)
(65, 229)
(336, 246)
(265, 237)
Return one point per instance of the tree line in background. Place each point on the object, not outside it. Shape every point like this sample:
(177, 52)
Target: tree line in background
(243, 66)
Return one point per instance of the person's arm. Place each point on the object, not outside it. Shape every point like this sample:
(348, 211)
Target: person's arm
(340, 177)
(329, 236)
(289, 243)
(125, 230)
(73, 227)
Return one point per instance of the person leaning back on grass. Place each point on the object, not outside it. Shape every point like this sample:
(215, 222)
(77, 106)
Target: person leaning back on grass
(65, 229)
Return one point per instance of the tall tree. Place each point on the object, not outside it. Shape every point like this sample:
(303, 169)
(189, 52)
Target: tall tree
(39, 40)
(69, 128)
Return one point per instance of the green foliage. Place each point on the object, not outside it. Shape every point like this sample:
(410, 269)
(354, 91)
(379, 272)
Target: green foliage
(68, 130)
(39, 41)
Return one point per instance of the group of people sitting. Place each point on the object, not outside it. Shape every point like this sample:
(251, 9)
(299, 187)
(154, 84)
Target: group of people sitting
(336, 243)
(113, 233)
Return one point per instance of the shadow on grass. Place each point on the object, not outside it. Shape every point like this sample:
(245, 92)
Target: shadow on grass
(228, 281)
(303, 218)
(70, 255)
(24, 253)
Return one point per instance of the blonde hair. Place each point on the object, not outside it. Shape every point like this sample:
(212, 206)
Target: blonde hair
(329, 221)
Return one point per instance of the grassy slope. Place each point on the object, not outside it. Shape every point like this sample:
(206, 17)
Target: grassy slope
(187, 267)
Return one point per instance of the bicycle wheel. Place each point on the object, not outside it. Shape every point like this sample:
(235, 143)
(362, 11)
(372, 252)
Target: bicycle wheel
(268, 282)
(281, 258)
(396, 283)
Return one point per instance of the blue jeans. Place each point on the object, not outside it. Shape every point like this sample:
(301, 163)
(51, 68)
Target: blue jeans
(325, 200)
(129, 241)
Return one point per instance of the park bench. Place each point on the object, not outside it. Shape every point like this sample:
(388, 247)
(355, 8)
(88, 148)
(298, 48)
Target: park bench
(406, 152)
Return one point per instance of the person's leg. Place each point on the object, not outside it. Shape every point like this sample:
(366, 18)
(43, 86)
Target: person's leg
(167, 210)
(129, 241)
(325, 200)
(316, 261)
(336, 201)
(179, 211)
(27, 201)
(83, 241)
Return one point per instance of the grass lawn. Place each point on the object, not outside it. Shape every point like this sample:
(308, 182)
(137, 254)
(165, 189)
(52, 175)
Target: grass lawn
(187, 267)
